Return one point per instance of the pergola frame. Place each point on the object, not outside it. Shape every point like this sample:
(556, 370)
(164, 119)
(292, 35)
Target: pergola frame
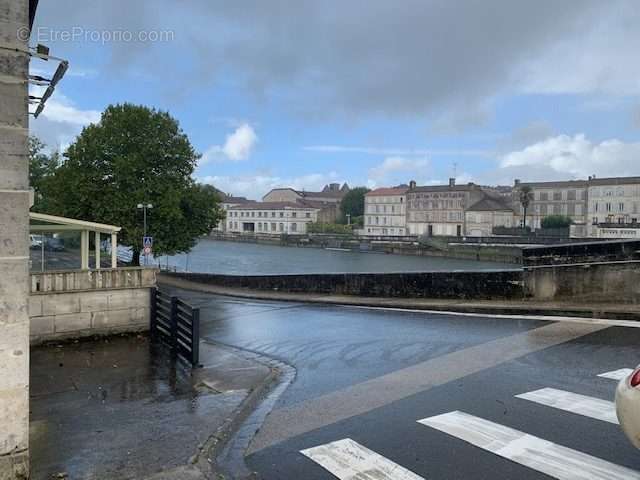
(63, 224)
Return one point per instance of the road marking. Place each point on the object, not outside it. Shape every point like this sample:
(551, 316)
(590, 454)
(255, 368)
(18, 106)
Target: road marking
(572, 402)
(541, 455)
(546, 318)
(617, 374)
(348, 460)
(318, 412)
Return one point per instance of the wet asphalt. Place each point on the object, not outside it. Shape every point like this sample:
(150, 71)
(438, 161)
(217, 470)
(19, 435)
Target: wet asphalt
(338, 352)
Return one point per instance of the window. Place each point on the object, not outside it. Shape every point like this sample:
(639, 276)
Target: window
(621, 207)
(620, 191)
(259, 226)
(595, 221)
(377, 220)
(308, 214)
(571, 195)
(273, 225)
(608, 207)
(281, 227)
(242, 214)
(259, 214)
(294, 227)
(544, 196)
(281, 215)
(571, 209)
(294, 214)
(557, 196)
(544, 209)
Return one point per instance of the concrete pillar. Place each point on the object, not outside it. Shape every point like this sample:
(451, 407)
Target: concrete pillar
(114, 250)
(14, 247)
(97, 242)
(84, 250)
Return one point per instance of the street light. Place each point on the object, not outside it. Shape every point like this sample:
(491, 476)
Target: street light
(144, 207)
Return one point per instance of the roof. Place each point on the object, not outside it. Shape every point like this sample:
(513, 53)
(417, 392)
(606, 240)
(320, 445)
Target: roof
(238, 200)
(64, 223)
(614, 181)
(324, 194)
(489, 204)
(445, 188)
(558, 184)
(387, 191)
(274, 206)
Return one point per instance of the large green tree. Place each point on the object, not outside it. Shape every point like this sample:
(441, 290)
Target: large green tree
(135, 155)
(353, 203)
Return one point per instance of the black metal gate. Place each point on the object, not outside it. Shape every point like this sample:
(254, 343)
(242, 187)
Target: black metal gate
(177, 324)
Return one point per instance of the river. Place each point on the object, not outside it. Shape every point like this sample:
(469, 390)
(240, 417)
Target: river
(213, 256)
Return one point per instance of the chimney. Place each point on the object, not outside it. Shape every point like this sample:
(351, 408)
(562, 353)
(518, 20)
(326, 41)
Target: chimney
(517, 182)
(590, 178)
(452, 182)
(412, 184)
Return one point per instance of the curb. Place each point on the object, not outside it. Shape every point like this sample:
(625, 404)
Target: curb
(225, 450)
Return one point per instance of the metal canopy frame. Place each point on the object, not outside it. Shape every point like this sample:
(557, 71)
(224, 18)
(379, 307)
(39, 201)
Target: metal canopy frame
(64, 224)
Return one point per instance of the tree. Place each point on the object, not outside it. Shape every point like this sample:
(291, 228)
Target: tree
(353, 203)
(556, 221)
(525, 196)
(135, 155)
(42, 166)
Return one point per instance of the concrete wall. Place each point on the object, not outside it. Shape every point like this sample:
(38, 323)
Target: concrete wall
(14, 250)
(590, 283)
(464, 285)
(60, 315)
(584, 252)
(617, 282)
(79, 303)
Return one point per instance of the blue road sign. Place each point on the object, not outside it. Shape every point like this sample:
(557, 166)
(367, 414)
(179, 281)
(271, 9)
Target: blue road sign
(147, 242)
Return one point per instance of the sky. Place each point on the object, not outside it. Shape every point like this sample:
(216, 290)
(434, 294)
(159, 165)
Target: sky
(301, 93)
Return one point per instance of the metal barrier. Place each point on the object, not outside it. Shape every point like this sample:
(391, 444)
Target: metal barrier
(177, 324)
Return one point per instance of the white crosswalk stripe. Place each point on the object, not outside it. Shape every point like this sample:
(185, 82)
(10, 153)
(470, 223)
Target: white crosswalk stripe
(541, 455)
(348, 460)
(574, 403)
(617, 374)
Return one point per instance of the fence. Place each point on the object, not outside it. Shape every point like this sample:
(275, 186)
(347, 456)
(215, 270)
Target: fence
(177, 324)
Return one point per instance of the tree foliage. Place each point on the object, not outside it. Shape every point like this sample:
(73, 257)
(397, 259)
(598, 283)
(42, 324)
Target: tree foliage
(353, 203)
(556, 221)
(42, 166)
(525, 195)
(335, 228)
(135, 155)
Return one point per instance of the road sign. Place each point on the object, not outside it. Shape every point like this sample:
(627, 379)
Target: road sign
(146, 251)
(147, 242)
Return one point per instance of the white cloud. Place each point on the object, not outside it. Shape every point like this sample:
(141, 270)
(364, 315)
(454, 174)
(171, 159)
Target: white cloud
(237, 147)
(396, 170)
(576, 156)
(61, 120)
(254, 186)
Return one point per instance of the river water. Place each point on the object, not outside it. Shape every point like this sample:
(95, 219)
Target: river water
(212, 256)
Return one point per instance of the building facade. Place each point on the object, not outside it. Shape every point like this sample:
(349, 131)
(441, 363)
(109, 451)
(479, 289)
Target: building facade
(328, 199)
(385, 212)
(568, 198)
(439, 210)
(614, 207)
(483, 216)
(272, 218)
(226, 203)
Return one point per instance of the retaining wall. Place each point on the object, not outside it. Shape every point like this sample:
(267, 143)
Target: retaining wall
(72, 304)
(613, 282)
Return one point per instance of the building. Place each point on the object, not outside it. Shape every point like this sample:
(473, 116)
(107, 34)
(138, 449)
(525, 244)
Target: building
(226, 202)
(385, 212)
(486, 214)
(329, 199)
(440, 209)
(273, 218)
(614, 207)
(568, 198)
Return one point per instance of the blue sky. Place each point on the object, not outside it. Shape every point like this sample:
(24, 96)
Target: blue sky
(301, 93)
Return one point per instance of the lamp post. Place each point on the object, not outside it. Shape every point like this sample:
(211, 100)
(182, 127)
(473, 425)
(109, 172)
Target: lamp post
(144, 207)
(348, 219)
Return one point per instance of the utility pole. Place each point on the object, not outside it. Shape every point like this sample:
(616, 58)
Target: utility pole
(144, 207)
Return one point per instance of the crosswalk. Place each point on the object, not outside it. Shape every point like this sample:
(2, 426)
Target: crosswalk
(348, 460)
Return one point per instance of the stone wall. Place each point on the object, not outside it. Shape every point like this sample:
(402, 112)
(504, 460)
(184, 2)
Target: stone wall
(464, 285)
(583, 252)
(14, 249)
(613, 282)
(60, 315)
(73, 304)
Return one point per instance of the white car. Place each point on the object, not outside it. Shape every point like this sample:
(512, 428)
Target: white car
(628, 406)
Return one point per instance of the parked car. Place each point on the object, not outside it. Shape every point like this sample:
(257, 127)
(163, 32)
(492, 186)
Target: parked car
(54, 244)
(35, 241)
(628, 406)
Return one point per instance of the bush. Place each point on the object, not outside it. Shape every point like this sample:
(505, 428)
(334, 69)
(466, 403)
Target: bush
(556, 221)
(329, 228)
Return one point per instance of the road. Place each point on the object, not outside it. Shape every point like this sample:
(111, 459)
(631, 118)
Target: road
(399, 395)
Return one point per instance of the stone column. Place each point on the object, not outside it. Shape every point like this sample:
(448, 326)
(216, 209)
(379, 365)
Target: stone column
(14, 248)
